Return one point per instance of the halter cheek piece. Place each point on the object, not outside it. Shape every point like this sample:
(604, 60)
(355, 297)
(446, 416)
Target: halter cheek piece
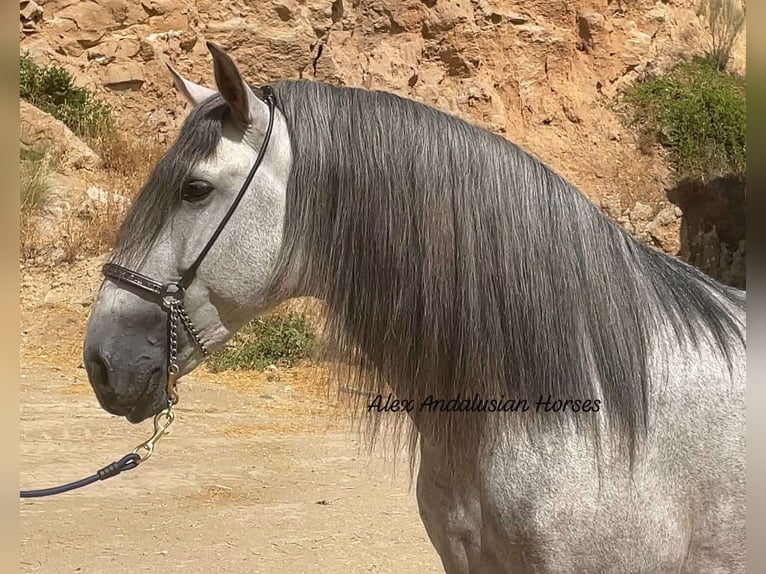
(170, 295)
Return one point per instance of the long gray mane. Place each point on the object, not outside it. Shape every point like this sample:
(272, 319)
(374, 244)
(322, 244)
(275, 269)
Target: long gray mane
(452, 261)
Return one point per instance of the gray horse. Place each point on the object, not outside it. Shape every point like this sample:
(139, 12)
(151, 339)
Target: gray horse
(575, 398)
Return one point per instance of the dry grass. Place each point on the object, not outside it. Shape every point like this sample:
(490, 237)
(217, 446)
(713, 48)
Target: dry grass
(90, 229)
(127, 162)
(725, 20)
(36, 166)
(129, 157)
(90, 232)
(29, 248)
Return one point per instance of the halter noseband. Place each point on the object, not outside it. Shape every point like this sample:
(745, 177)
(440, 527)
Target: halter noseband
(170, 295)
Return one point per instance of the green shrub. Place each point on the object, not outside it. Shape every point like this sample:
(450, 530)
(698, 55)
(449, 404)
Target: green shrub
(52, 90)
(696, 112)
(277, 339)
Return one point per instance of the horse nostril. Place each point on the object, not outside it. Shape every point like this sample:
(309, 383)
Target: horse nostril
(98, 371)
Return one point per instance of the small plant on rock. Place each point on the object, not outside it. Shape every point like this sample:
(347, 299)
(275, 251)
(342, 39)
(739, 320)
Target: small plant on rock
(697, 113)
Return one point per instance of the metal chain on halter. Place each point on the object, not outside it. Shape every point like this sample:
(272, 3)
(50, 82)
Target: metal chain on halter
(192, 330)
(171, 300)
(173, 368)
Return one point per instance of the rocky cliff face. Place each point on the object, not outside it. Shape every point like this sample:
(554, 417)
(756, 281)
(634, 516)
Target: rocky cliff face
(541, 73)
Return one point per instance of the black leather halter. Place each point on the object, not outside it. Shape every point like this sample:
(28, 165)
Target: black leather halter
(170, 295)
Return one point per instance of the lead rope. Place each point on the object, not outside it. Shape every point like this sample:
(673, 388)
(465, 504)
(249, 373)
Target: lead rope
(162, 420)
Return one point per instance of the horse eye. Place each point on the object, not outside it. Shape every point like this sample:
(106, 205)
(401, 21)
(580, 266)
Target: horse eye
(196, 190)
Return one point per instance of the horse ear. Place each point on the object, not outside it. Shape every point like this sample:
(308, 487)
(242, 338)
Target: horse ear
(244, 104)
(194, 93)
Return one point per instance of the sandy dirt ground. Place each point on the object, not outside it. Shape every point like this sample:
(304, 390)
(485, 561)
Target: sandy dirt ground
(260, 474)
(234, 488)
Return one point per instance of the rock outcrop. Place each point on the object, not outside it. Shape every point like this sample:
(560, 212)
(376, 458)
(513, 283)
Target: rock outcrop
(543, 74)
(41, 130)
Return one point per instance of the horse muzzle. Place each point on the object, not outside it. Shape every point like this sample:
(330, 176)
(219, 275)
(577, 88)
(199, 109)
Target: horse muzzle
(127, 371)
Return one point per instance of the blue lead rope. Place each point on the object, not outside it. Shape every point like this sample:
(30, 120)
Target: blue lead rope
(162, 422)
(127, 462)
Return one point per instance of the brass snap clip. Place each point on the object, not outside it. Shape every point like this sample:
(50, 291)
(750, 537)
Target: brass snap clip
(162, 422)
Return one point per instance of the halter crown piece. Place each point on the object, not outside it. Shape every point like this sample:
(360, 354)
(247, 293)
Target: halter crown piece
(169, 296)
